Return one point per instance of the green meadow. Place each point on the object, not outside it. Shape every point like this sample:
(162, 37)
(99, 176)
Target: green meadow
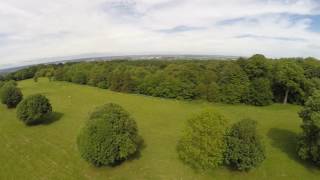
(49, 151)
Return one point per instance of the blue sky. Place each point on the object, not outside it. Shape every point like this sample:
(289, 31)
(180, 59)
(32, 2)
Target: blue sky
(37, 29)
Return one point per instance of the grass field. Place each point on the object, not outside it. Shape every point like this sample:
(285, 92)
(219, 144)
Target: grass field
(49, 151)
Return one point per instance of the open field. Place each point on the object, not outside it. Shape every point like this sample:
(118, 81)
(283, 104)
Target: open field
(49, 151)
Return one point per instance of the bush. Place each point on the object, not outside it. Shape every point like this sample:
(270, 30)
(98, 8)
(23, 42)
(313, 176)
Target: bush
(34, 109)
(202, 145)
(244, 147)
(109, 137)
(308, 144)
(103, 85)
(10, 95)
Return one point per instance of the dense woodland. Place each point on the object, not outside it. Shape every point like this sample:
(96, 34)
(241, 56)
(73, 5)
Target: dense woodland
(256, 80)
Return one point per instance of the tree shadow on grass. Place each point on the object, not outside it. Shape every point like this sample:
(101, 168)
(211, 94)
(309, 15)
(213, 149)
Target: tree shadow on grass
(51, 118)
(286, 141)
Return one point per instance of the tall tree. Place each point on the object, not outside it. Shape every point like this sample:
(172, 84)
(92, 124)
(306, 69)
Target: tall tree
(309, 141)
(257, 66)
(289, 76)
(233, 83)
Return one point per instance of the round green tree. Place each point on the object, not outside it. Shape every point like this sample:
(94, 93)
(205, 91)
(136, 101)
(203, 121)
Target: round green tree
(203, 143)
(244, 147)
(109, 136)
(308, 144)
(10, 95)
(34, 109)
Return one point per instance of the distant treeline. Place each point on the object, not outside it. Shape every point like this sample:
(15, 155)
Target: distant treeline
(256, 80)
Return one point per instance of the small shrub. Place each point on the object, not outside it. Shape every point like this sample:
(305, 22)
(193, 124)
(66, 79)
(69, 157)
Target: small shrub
(10, 95)
(244, 147)
(109, 136)
(103, 85)
(202, 145)
(34, 109)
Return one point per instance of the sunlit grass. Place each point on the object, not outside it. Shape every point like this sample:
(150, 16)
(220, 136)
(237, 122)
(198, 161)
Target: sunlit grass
(49, 151)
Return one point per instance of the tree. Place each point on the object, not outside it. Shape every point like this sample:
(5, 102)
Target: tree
(233, 83)
(1, 83)
(11, 82)
(109, 136)
(184, 78)
(208, 88)
(203, 142)
(244, 147)
(209, 92)
(289, 76)
(311, 67)
(121, 80)
(35, 78)
(79, 78)
(308, 143)
(59, 74)
(10, 95)
(257, 66)
(260, 92)
(34, 109)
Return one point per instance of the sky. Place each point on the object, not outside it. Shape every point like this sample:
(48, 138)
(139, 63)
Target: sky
(36, 29)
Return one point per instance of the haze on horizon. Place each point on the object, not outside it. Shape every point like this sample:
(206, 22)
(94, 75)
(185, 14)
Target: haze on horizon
(36, 29)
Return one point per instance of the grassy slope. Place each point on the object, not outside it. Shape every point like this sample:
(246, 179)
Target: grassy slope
(49, 151)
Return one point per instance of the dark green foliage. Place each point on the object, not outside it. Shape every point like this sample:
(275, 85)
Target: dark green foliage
(1, 83)
(226, 81)
(244, 147)
(24, 73)
(11, 82)
(35, 78)
(34, 109)
(233, 83)
(309, 141)
(59, 75)
(121, 80)
(289, 77)
(103, 85)
(109, 136)
(10, 95)
(311, 67)
(260, 92)
(203, 142)
(210, 92)
(79, 78)
(257, 66)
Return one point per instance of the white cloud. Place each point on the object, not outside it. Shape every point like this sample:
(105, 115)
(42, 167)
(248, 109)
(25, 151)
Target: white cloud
(34, 29)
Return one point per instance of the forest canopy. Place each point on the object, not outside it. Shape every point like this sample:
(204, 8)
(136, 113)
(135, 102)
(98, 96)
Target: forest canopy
(256, 80)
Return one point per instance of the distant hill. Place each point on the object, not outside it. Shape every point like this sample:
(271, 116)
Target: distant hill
(9, 70)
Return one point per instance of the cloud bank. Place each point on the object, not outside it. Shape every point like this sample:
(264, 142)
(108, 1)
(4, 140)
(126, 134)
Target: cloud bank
(35, 29)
